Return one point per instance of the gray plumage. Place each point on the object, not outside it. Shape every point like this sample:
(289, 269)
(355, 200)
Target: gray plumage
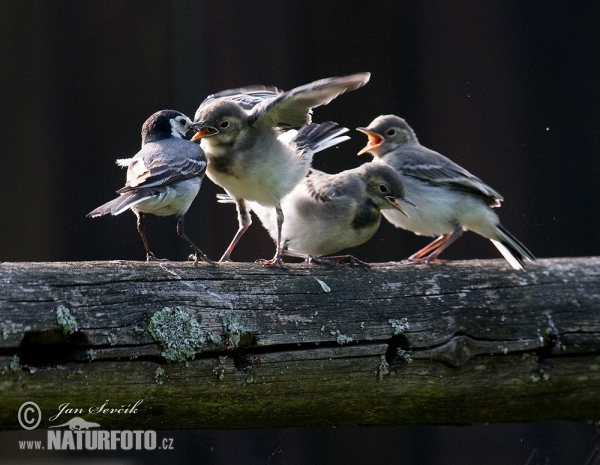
(240, 133)
(327, 213)
(163, 178)
(449, 199)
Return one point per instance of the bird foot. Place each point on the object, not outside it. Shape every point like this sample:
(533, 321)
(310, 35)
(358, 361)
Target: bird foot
(275, 262)
(194, 257)
(151, 258)
(340, 260)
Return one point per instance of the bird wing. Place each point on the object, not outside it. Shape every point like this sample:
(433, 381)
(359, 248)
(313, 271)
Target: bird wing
(293, 108)
(246, 97)
(333, 189)
(433, 168)
(318, 187)
(161, 165)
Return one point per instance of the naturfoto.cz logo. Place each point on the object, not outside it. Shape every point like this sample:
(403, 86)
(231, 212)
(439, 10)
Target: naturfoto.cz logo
(80, 434)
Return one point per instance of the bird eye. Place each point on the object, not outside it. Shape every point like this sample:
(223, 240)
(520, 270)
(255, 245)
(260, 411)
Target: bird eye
(383, 189)
(224, 124)
(391, 132)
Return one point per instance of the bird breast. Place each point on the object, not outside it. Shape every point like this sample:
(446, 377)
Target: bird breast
(263, 174)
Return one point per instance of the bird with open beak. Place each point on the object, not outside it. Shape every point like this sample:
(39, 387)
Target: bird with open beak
(449, 199)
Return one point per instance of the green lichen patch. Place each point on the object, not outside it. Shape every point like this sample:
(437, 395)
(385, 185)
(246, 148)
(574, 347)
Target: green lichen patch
(66, 320)
(341, 338)
(178, 332)
(399, 326)
(215, 338)
(90, 355)
(383, 368)
(14, 365)
(159, 376)
(234, 330)
(404, 356)
(8, 328)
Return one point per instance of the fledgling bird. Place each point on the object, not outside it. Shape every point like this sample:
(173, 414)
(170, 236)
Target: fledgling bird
(239, 131)
(449, 199)
(327, 213)
(163, 178)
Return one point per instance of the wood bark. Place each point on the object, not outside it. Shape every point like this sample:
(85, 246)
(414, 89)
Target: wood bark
(397, 344)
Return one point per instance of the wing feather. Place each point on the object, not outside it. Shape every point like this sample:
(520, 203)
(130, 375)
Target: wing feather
(293, 108)
(433, 168)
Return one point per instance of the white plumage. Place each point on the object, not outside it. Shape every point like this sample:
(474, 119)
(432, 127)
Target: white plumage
(448, 198)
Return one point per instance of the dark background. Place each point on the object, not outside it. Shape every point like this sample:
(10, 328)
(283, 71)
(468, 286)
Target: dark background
(506, 88)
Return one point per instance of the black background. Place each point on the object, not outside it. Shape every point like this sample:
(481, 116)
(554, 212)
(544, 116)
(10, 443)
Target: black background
(508, 89)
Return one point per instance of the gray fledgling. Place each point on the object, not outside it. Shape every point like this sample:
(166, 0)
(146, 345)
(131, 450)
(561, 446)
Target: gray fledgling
(163, 178)
(239, 131)
(326, 213)
(449, 199)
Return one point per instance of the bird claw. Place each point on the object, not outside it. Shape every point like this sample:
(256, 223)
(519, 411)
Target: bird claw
(194, 257)
(151, 258)
(276, 262)
(340, 260)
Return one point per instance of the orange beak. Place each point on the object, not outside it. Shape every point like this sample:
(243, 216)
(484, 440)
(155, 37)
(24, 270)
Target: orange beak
(397, 206)
(375, 140)
(202, 131)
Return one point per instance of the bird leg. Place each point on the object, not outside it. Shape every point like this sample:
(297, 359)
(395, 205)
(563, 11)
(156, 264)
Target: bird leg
(141, 227)
(244, 222)
(430, 253)
(181, 233)
(276, 261)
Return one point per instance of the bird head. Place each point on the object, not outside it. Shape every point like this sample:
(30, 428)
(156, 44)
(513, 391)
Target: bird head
(384, 186)
(386, 133)
(165, 124)
(222, 121)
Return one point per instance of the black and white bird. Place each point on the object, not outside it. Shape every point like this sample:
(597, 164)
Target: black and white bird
(163, 178)
(239, 131)
(449, 199)
(326, 213)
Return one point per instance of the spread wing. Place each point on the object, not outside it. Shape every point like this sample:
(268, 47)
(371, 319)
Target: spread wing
(246, 97)
(293, 108)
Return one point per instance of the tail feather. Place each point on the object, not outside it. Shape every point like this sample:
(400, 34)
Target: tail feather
(513, 250)
(318, 137)
(120, 204)
(225, 198)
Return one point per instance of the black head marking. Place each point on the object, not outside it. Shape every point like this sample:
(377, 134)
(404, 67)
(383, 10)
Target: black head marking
(158, 126)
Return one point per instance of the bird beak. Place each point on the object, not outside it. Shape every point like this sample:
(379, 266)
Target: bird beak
(375, 140)
(397, 206)
(202, 130)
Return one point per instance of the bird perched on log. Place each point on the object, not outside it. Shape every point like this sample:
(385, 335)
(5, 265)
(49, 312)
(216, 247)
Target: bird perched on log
(326, 213)
(239, 131)
(163, 178)
(449, 199)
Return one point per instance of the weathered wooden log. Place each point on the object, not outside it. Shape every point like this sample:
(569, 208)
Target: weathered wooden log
(238, 345)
